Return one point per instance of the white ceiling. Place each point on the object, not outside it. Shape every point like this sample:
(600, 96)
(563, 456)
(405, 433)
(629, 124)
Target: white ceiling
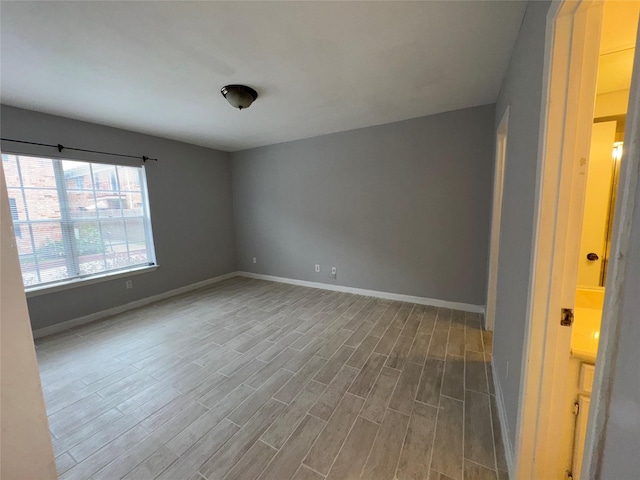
(619, 25)
(318, 67)
(615, 70)
(619, 30)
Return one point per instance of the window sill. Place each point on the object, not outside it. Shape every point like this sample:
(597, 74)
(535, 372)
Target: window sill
(81, 282)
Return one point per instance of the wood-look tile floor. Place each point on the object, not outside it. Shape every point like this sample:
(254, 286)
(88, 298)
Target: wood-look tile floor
(257, 380)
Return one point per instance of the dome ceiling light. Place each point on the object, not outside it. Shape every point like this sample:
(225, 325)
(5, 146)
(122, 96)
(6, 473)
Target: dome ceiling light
(239, 96)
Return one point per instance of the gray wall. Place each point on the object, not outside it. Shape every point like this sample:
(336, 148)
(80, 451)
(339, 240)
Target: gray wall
(522, 90)
(191, 211)
(402, 207)
(620, 458)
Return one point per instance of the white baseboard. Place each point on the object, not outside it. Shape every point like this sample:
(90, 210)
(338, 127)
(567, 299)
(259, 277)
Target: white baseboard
(467, 307)
(60, 327)
(504, 424)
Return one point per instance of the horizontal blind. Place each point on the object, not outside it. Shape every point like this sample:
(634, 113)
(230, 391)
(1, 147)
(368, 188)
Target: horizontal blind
(75, 219)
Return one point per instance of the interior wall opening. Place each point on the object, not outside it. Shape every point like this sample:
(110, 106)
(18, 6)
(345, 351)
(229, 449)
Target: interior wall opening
(615, 66)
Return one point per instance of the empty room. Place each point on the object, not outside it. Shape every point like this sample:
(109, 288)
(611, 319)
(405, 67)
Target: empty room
(315, 240)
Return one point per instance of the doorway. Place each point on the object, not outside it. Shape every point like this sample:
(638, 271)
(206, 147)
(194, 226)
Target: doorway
(615, 67)
(496, 218)
(551, 440)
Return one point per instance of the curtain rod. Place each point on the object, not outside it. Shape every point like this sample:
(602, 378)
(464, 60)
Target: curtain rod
(144, 158)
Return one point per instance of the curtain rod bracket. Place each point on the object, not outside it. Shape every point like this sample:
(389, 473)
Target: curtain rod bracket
(60, 147)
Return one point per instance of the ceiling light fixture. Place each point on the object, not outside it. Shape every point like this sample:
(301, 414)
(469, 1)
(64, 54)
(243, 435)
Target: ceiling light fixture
(239, 96)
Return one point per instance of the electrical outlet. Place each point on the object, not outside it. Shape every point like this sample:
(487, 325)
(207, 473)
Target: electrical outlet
(128, 284)
(334, 273)
(317, 268)
(255, 260)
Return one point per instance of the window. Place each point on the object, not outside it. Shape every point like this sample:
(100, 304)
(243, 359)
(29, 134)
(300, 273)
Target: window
(77, 219)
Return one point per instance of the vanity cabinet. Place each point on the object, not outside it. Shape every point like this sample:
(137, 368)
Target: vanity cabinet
(581, 409)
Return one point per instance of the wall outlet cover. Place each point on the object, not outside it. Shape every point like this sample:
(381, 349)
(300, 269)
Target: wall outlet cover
(317, 268)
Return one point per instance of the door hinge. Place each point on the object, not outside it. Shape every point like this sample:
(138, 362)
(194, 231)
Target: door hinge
(566, 317)
(568, 475)
(576, 408)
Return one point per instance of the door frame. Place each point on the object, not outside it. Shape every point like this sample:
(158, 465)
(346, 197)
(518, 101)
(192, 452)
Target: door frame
(569, 78)
(610, 332)
(571, 31)
(496, 218)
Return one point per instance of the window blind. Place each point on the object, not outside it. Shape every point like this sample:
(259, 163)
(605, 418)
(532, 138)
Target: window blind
(75, 219)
